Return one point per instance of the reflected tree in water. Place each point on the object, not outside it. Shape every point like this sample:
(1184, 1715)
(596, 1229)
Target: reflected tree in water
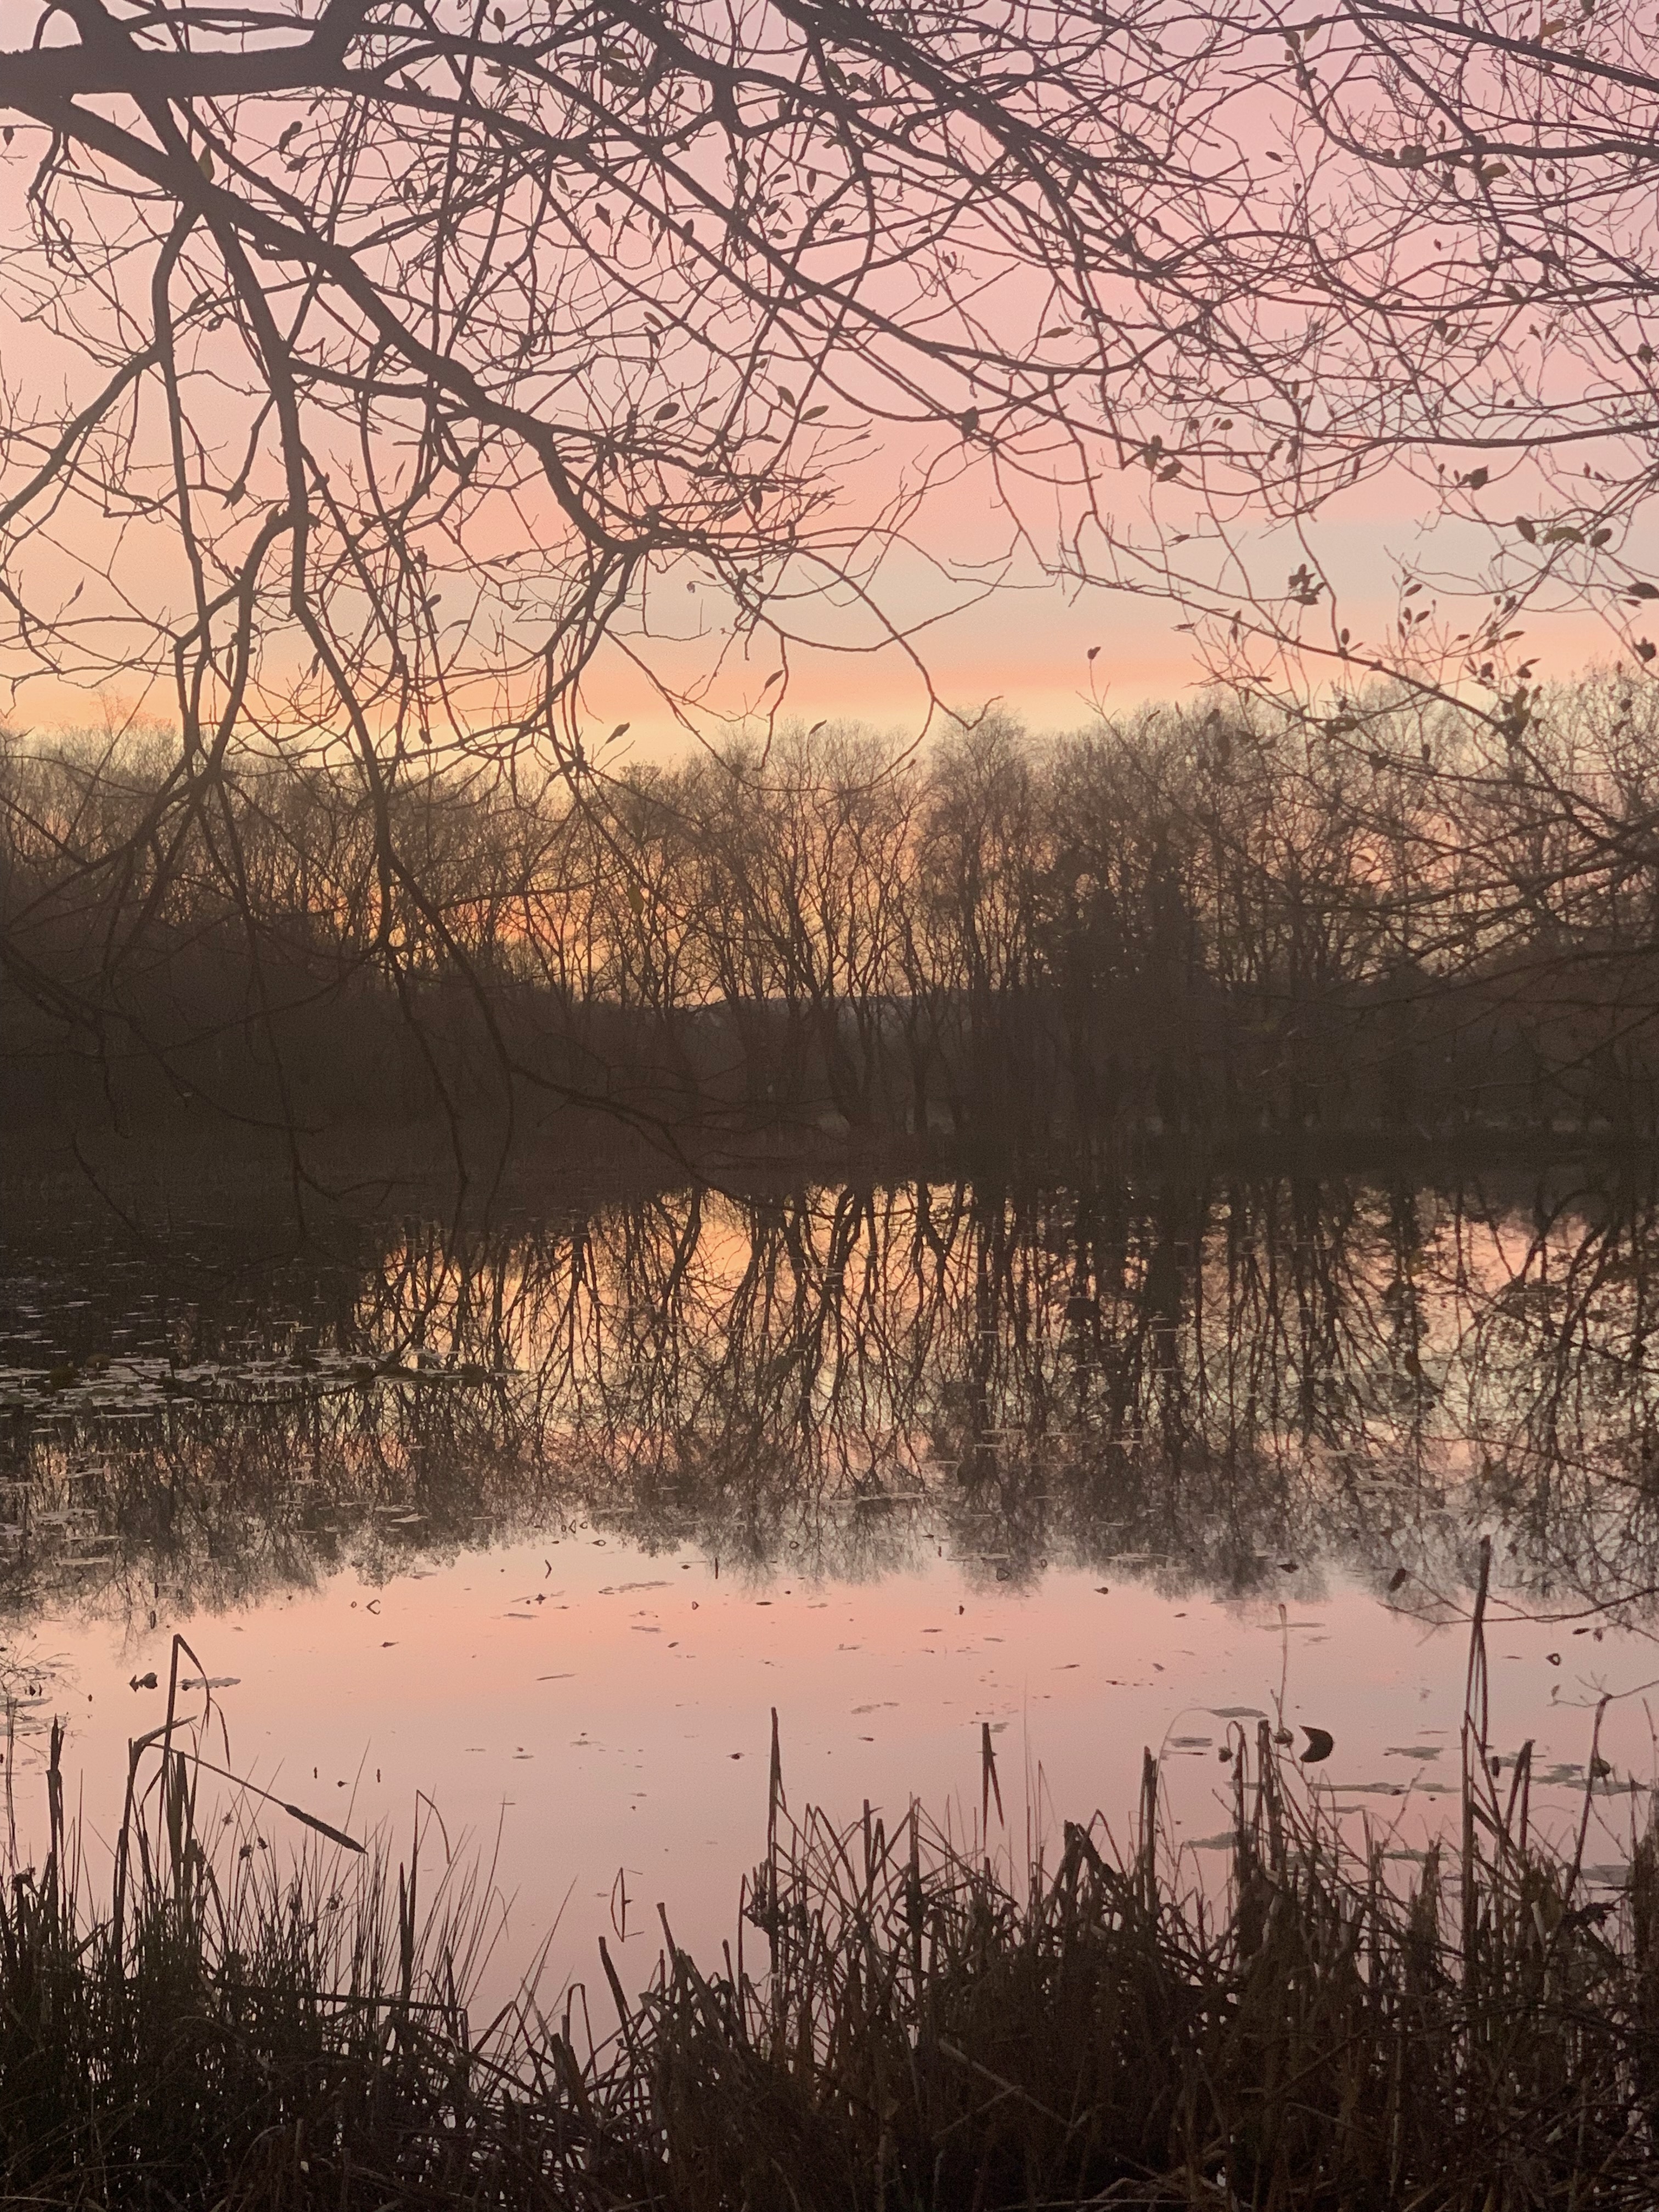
(1205, 1383)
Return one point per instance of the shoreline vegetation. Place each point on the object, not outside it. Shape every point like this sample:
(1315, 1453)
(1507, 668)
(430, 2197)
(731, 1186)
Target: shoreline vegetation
(898, 2022)
(1207, 929)
(167, 1174)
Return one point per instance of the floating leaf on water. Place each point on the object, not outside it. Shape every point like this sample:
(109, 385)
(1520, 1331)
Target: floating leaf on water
(1320, 1744)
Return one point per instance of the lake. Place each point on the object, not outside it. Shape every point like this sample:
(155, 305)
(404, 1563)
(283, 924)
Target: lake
(522, 1527)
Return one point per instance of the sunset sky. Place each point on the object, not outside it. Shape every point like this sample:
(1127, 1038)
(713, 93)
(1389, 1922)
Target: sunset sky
(987, 633)
(1025, 644)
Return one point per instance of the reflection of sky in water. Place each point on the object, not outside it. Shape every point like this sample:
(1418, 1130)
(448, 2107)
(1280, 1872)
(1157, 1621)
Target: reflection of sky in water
(917, 1430)
(614, 1713)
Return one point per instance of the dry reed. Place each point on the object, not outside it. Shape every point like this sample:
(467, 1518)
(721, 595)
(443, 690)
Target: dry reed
(902, 2026)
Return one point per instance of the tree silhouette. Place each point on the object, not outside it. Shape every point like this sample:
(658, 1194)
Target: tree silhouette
(374, 369)
(380, 363)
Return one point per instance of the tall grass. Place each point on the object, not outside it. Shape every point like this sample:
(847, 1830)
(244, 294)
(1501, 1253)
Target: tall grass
(899, 2024)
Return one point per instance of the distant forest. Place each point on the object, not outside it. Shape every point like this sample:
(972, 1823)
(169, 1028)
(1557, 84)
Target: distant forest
(1207, 920)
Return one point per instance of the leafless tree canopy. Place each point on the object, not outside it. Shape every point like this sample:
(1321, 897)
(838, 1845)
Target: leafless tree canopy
(413, 350)
(374, 368)
(1207, 922)
(410, 355)
(1456, 224)
(409, 351)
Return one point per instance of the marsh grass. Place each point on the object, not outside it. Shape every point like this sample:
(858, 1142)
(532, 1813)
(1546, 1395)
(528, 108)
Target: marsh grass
(898, 2022)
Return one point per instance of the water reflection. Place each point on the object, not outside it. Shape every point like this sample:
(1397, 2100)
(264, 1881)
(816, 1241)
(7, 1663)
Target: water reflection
(1222, 1385)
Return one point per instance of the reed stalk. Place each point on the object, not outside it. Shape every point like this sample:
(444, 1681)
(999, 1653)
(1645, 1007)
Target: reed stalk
(909, 2026)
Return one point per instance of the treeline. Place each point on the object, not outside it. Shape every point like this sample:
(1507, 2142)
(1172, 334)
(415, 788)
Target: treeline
(1204, 919)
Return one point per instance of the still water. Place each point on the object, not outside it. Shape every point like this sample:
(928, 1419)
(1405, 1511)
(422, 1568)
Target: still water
(524, 1531)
